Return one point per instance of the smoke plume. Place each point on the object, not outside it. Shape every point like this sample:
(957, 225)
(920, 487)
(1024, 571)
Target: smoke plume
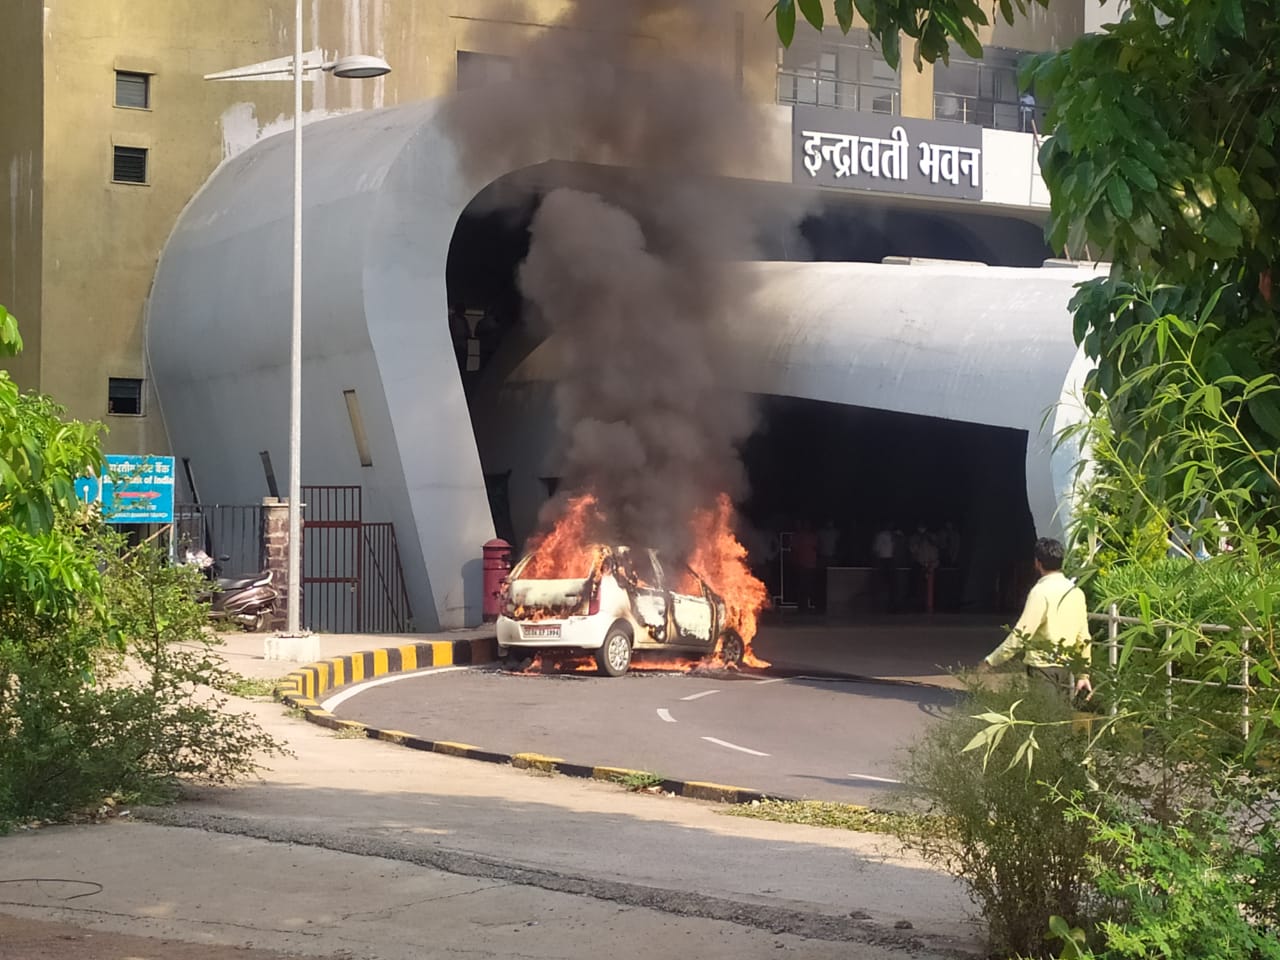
(636, 287)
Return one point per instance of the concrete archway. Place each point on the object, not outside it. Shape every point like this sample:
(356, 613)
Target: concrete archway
(383, 192)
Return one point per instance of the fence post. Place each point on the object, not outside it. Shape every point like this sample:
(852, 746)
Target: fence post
(275, 552)
(1168, 674)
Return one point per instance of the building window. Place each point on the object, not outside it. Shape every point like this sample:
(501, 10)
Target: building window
(129, 165)
(133, 90)
(482, 69)
(985, 92)
(835, 70)
(124, 396)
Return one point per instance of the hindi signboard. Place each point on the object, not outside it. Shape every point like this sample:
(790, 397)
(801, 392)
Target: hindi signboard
(852, 150)
(135, 489)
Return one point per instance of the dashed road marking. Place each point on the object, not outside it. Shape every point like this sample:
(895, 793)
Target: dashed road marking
(665, 714)
(699, 696)
(340, 698)
(867, 776)
(734, 746)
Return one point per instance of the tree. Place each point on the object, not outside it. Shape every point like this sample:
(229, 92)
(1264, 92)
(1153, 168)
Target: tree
(1162, 159)
(108, 675)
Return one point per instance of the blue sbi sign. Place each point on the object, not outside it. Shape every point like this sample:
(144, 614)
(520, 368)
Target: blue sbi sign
(135, 489)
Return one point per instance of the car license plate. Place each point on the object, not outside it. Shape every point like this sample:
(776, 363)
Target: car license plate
(543, 631)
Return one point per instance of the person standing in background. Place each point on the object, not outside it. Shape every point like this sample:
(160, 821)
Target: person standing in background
(804, 560)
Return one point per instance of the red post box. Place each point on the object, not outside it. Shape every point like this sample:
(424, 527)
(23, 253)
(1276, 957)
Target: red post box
(497, 564)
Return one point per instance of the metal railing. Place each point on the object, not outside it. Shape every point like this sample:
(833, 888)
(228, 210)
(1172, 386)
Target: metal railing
(1115, 621)
(386, 600)
(352, 580)
(222, 530)
(799, 87)
(985, 112)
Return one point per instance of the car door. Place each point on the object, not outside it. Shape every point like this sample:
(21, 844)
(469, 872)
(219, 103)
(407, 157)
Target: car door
(639, 575)
(693, 619)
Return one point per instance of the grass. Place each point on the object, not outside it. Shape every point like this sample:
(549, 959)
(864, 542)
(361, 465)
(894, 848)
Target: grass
(639, 780)
(249, 687)
(842, 816)
(352, 733)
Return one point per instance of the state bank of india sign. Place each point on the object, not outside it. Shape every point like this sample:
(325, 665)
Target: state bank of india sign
(851, 150)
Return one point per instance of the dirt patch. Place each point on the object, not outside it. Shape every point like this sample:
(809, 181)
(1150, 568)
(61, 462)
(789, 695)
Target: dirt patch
(22, 939)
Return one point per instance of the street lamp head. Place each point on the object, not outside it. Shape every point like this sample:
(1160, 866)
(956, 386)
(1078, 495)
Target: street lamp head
(359, 67)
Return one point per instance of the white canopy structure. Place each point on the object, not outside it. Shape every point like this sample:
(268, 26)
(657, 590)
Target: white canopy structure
(383, 194)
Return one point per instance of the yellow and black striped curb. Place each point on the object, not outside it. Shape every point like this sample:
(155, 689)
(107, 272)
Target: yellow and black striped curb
(305, 687)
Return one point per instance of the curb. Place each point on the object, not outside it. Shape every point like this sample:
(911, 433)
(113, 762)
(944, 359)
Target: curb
(303, 689)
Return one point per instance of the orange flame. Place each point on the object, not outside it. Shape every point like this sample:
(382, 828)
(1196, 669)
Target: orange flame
(721, 561)
(568, 550)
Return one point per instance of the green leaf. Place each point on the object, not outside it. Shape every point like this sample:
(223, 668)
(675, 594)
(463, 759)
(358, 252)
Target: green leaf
(844, 14)
(891, 49)
(812, 10)
(785, 18)
(1138, 173)
(1120, 197)
(1233, 15)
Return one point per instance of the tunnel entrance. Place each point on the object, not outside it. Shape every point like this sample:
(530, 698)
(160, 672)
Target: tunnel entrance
(857, 467)
(845, 476)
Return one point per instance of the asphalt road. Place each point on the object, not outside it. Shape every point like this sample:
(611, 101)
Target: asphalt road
(824, 739)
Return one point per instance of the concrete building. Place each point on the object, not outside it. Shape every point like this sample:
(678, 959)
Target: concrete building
(145, 242)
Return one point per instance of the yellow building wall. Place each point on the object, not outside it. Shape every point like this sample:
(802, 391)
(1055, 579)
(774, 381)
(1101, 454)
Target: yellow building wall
(21, 165)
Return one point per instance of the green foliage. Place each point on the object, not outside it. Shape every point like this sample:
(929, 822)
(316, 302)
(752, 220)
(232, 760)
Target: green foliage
(152, 715)
(1193, 890)
(933, 24)
(639, 780)
(1000, 829)
(108, 679)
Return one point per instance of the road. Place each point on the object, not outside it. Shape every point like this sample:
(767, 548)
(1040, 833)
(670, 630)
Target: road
(823, 739)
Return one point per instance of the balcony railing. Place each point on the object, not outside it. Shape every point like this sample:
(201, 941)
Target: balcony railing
(795, 87)
(992, 114)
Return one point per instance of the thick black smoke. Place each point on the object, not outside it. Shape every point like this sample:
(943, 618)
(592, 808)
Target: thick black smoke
(636, 288)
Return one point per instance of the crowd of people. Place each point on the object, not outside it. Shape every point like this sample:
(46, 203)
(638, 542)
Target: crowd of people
(794, 562)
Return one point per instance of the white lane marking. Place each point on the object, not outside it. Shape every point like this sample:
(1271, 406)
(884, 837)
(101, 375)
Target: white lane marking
(867, 776)
(340, 698)
(699, 696)
(734, 746)
(774, 680)
(665, 714)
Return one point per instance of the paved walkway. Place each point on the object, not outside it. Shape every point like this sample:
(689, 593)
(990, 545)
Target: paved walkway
(364, 847)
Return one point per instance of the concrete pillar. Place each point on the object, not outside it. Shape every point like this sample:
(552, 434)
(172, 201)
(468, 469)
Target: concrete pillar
(917, 85)
(275, 550)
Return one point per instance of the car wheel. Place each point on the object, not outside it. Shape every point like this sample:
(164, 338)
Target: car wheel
(614, 656)
(732, 649)
(518, 659)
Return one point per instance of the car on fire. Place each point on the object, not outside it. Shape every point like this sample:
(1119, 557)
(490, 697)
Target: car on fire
(623, 600)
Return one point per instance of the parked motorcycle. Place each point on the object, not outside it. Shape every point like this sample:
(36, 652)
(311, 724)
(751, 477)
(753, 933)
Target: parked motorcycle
(247, 601)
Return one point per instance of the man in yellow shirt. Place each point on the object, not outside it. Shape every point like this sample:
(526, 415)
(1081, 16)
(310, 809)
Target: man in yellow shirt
(1053, 631)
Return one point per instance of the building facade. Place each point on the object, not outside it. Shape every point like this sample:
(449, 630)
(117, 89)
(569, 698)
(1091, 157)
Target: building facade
(110, 134)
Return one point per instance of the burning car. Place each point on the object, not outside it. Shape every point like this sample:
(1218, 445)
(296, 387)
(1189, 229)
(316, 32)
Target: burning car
(617, 600)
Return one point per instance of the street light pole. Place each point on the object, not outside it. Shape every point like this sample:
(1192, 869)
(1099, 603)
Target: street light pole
(359, 66)
(293, 599)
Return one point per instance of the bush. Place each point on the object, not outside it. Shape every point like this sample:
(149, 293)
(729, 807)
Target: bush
(1004, 834)
(1199, 889)
(145, 717)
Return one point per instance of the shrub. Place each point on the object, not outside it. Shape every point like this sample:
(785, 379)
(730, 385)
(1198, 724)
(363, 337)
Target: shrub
(1002, 831)
(1198, 889)
(141, 720)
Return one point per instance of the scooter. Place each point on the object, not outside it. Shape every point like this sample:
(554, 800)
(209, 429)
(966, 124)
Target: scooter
(247, 601)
